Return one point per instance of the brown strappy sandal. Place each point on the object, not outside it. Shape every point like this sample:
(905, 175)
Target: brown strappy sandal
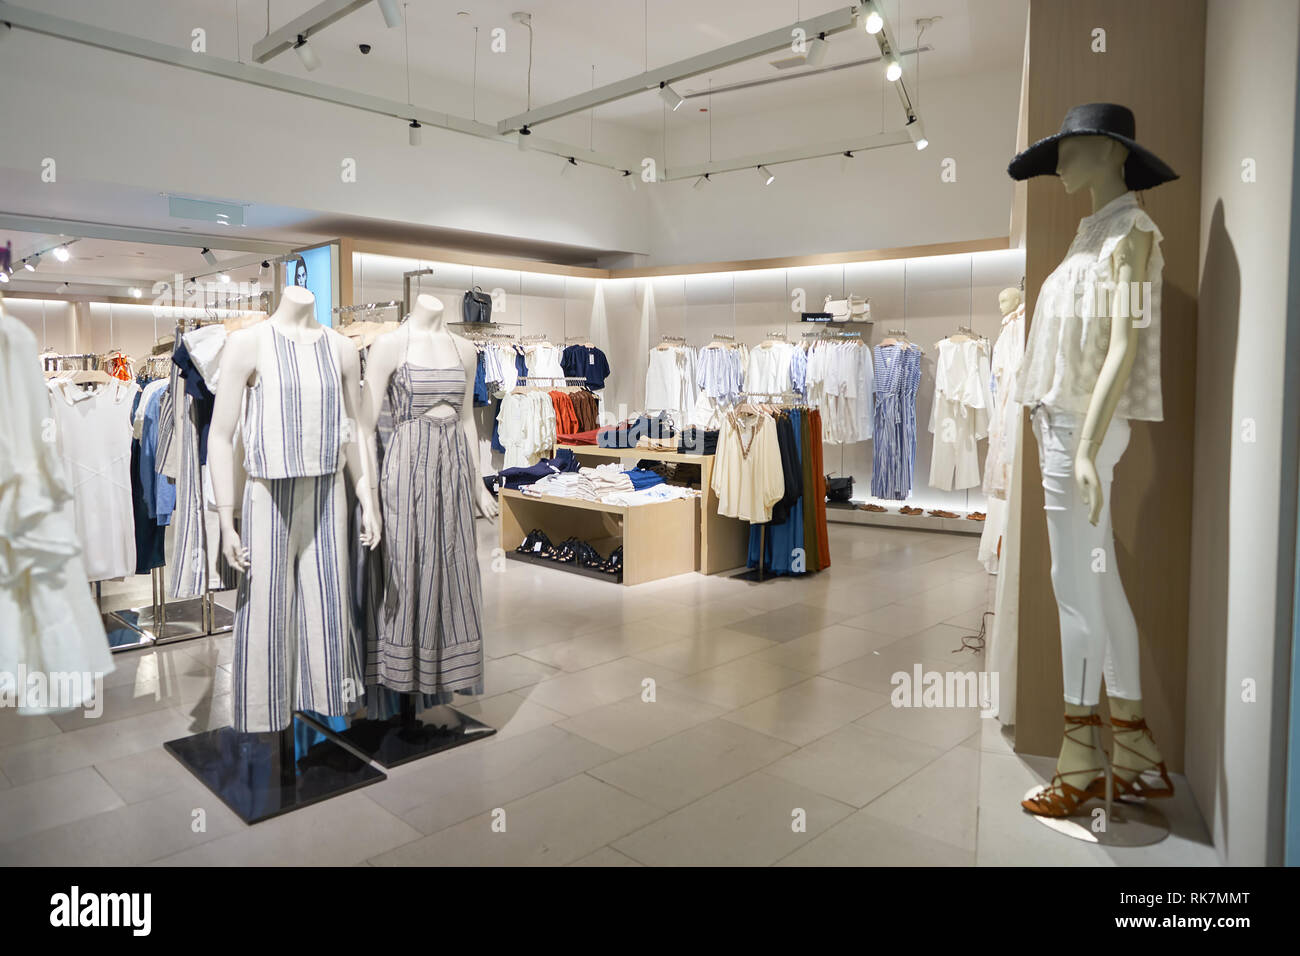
(1137, 787)
(906, 510)
(1061, 799)
(940, 513)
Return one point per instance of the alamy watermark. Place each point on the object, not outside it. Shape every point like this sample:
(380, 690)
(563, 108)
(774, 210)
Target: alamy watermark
(53, 690)
(955, 689)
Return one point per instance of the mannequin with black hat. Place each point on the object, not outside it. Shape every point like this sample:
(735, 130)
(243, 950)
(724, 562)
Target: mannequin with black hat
(1092, 365)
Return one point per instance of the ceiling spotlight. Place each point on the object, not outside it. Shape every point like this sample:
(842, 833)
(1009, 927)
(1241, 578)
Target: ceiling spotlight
(671, 96)
(701, 181)
(392, 13)
(4, 276)
(136, 292)
(305, 53)
(31, 264)
(208, 257)
(62, 254)
(873, 22)
(414, 133)
(893, 71)
(817, 50)
(522, 140)
(223, 277)
(917, 131)
(569, 163)
(629, 179)
(766, 175)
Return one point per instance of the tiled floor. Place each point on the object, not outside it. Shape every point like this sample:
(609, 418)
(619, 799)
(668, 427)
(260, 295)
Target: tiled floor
(697, 720)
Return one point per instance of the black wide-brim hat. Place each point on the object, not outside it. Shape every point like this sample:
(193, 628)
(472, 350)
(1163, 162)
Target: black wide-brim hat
(1142, 169)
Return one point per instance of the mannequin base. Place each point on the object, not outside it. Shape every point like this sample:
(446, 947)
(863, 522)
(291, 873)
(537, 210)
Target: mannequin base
(408, 735)
(1131, 823)
(259, 776)
(184, 619)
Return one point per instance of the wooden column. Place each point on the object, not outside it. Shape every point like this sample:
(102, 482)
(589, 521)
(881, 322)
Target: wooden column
(1154, 64)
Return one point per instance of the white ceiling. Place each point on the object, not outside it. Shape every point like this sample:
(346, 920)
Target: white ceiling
(570, 37)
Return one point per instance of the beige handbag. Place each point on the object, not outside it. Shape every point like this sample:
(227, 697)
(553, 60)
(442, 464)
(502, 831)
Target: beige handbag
(855, 308)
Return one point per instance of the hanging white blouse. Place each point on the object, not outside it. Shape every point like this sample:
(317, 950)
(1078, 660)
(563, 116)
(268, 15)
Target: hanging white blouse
(48, 619)
(1008, 352)
(768, 371)
(959, 415)
(747, 475)
(1070, 333)
(543, 360)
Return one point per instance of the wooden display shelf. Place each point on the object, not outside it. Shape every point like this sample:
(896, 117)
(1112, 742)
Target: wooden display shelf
(657, 539)
(720, 543)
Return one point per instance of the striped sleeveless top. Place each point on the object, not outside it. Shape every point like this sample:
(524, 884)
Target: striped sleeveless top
(293, 423)
(414, 389)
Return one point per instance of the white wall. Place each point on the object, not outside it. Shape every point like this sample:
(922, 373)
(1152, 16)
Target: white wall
(1250, 92)
(879, 199)
(118, 121)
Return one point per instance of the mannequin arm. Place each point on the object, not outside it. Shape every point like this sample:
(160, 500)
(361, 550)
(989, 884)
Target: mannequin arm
(238, 360)
(1130, 265)
(487, 505)
(371, 526)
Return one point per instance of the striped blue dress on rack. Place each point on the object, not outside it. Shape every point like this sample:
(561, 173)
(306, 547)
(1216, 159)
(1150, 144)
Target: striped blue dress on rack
(893, 457)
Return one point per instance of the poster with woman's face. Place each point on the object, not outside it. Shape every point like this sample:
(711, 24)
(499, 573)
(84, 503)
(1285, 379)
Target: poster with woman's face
(300, 273)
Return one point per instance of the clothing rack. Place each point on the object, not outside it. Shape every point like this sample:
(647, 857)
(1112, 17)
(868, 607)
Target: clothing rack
(366, 307)
(564, 379)
(54, 363)
(673, 339)
(723, 337)
(778, 334)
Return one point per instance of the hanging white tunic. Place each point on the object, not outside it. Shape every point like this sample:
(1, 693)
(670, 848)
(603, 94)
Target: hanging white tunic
(959, 416)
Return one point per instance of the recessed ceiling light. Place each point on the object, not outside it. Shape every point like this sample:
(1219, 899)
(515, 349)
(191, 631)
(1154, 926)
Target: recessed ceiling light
(62, 254)
(136, 293)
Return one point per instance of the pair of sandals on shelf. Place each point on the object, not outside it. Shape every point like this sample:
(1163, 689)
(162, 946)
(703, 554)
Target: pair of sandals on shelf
(571, 551)
(936, 512)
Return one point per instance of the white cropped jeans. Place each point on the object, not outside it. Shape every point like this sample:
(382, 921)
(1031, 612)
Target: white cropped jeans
(1097, 626)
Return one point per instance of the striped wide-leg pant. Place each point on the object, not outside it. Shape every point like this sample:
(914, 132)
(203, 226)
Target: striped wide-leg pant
(293, 629)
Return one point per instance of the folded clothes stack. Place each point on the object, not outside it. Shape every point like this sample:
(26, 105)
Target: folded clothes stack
(564, 461)
(607, 483)
(650, 495)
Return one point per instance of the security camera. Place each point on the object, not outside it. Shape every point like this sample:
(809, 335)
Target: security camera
(364, 48)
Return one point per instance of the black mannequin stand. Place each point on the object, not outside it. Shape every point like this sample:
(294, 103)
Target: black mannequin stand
(260, 776)
(409, 735)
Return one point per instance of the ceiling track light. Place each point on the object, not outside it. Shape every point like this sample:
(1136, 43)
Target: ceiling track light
(569, 163)
(61, 253)
(817, 50)
(4, 276)
(629, 179)
(208, 257)
(305, 53)
(136, 292)
(671, 96)
(701, 181)
(392, 13)
(892, 70)
(766, 175)
(916, 129)
(29, 265)
(522, 141)
(414, 132)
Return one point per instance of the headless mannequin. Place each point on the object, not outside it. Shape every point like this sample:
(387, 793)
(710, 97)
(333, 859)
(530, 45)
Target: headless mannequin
(295, 317)
(423, 339)
(1096, 163)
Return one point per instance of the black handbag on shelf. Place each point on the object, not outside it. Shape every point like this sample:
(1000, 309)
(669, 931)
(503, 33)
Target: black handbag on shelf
(839, 489)
(476, 306)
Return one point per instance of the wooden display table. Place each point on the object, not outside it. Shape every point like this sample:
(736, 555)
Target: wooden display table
(721, 544)
(657, 538)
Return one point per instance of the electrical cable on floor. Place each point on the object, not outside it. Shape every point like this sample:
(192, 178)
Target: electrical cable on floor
(975, 642)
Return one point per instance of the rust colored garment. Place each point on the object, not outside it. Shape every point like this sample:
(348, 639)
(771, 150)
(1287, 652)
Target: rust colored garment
(579, 438)
(585, 407)
(566, 421)
(812, 556)
(819, 496)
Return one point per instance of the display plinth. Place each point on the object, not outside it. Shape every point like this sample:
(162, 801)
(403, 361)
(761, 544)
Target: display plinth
(181, 620)
(1130, 823)
(258, 777)
(408, 735)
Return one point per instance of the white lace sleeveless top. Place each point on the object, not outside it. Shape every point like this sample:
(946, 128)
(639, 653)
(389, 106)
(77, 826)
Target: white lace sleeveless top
(1070, 332)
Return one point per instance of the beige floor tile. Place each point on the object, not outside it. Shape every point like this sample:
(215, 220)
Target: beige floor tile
(938, 801)
(864, 840)
(710, 649)
(600, 647)
(692, 764)
(605, 857)
(822, 650)
(511, 714)
(701, 618)
(144, 775)
(551, 827)
(128, 835)
(786, 623)
(16, 728)
(747, 823)
(853, 765)
(942, 642)
(48, 756)
(941, 727)
(900, 620)
(738, 682)
(512, 672)
(634, 723)
(52, 801)
(806, 711)
(148, 666)
(571, 694)
(875, 670)
(150, 694)
(357, 829)
(445, 789)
